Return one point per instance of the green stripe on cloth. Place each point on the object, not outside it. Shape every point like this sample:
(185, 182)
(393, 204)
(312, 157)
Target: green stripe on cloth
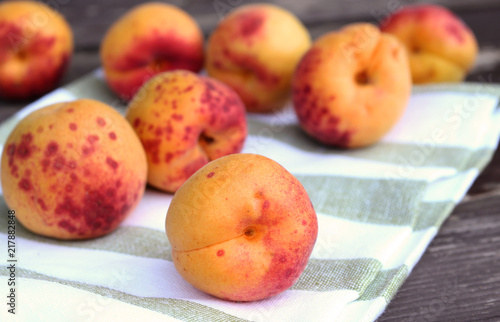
(433, 214)
(377, 201)
(414, 155)
(480, 159)
(385, 284)
(179, 309)
(331, 275)
(483, 88)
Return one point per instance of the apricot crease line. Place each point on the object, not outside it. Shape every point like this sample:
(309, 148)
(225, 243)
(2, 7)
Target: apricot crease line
(192, 250)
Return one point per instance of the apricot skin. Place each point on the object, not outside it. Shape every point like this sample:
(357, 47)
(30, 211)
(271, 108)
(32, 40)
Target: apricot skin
(36, 45)
(149, 39)
(241, 228)
(441, 47)
(352, 86)
(73, 170)
(185, 120)
(255, 50)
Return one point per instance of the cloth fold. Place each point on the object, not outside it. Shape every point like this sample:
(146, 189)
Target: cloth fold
(378, 209)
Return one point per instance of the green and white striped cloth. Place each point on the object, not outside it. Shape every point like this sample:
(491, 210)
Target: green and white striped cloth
(378, 209)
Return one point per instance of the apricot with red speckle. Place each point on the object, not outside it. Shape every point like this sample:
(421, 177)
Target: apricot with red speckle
(440, 46)
(73, 182)
(352, 86)
(149, 39)
(36, 44)
(255, 50)
(183, 121)
(241, 228)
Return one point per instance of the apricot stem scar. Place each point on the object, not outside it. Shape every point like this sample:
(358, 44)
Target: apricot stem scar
(249, 232)
(362, 78)
(205, 138)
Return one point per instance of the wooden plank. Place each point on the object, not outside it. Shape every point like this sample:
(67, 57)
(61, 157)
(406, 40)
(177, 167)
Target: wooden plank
(488, 183)
(458, 277)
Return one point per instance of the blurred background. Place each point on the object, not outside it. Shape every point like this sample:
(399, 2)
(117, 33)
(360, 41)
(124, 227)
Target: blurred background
(90, 20)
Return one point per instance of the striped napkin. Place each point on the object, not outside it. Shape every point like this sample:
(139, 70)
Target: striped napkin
(378, 209)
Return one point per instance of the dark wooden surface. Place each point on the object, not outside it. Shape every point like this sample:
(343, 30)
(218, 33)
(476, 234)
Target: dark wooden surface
(458, 277)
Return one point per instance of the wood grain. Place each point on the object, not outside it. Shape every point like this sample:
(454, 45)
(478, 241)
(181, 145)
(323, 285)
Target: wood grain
(457, 278)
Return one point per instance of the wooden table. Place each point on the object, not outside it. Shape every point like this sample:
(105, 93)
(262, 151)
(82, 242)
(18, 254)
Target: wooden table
(458, 277)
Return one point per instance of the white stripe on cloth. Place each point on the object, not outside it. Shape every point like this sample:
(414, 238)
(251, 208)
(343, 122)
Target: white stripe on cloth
(151, 211)
(363, 311)
(451, 188)
(37, 299)
(444, 119)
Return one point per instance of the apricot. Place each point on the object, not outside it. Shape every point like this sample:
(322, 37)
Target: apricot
(149, 39)
(352, 86)
(184, 121)
(441, 47)
(36, 44)
(255, 50)
(73, 170)
(242, 228)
